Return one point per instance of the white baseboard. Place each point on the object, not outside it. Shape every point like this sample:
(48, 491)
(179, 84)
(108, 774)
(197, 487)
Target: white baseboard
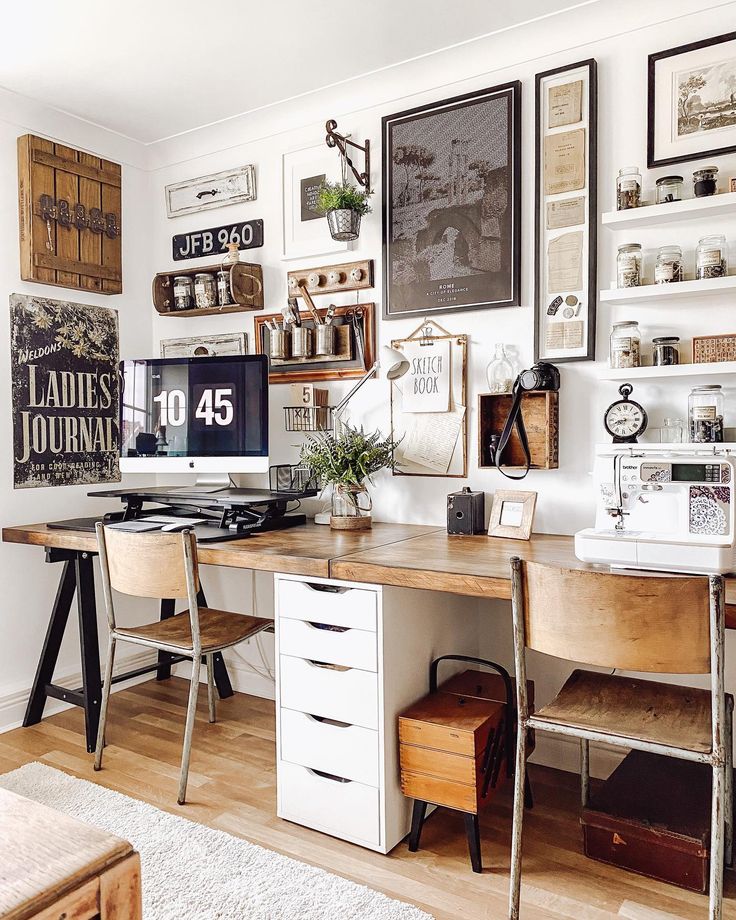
(13, 700)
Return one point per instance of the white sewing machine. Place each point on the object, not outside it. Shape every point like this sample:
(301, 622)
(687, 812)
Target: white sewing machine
(664, 508)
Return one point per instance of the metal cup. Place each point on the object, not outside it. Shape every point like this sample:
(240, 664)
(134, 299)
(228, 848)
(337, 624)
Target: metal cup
(325, 340)
(279, 344)
(302, 342)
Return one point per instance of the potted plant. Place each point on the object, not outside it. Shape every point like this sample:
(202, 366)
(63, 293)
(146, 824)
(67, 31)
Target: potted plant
(347, 461)
(344, 205)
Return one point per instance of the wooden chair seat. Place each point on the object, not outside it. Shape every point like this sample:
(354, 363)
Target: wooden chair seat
(218, 629)
(628, 707)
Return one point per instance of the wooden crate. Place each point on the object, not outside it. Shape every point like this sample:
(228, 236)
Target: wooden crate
(540, 411)
(80, 245)
(246, 287)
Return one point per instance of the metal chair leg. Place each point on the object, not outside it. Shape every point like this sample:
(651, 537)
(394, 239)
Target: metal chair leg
(211, 703)
(519, 784)
(717, 844)
(728, 808)
(584, 772)
(106, 687)
(189, 730)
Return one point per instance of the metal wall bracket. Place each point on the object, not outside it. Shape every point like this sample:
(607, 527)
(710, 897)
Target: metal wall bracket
(334, 139)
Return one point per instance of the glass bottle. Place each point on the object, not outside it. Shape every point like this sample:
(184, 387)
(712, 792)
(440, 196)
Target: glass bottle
(673, 431)
(628, 265)
(500, 372)
(668, 267)
(705, 413)
(628, 188)
(711, 259)
(625, 344)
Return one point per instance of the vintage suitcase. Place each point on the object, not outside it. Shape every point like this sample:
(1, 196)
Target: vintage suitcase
(652, 816)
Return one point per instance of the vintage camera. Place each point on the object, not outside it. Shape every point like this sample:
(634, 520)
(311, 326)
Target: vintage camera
(541, 376)
(466, 512)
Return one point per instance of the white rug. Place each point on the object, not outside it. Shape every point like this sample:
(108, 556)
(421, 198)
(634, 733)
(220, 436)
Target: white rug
(192, 872)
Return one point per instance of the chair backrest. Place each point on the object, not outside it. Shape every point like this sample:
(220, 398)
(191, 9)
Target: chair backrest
(149, 564)
(642, 623)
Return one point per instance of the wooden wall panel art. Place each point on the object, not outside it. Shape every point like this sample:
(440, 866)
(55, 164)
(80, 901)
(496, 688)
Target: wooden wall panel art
(70, 217)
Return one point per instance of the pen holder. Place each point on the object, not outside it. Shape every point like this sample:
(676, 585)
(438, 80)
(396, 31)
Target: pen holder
(302, 342)
(279, 344)
(324, 340)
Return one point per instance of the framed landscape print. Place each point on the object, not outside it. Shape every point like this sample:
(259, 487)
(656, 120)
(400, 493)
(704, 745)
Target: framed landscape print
(452, 204)
(692, 101)
(566, 213)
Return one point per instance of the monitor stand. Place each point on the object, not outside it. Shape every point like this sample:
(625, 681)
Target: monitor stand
(207, 484)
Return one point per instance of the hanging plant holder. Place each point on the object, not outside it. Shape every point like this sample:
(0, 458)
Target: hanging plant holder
(344, 224)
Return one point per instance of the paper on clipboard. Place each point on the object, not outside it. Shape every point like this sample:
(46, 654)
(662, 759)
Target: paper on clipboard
(426, 387)
(431, 438)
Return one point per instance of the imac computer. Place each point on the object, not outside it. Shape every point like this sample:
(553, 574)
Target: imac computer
(207, 416)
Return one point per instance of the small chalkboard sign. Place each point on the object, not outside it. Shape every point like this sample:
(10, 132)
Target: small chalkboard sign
(198, 244)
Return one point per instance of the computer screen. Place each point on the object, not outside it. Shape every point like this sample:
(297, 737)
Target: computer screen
(205, 414)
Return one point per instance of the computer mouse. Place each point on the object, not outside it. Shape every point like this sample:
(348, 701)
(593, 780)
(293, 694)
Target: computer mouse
(175, 528)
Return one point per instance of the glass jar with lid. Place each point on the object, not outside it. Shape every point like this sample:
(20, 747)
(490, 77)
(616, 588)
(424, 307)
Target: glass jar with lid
(711, 260)
(705, 181)
(705, 413)
(628, 265)
(205, 290)
(183, 292)
(668, 267)
(628, 188)
(669, 188)
(625, 344)
(665, 350)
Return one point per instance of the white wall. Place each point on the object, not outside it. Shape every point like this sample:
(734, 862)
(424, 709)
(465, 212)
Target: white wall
(28, 584)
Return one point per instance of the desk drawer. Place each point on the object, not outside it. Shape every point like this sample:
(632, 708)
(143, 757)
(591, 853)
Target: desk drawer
(347, 695)
(344, 809)
(354, 648)
(346, 750)
(335, 605)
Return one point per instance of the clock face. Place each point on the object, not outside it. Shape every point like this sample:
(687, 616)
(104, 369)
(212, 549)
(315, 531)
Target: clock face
(625, 419)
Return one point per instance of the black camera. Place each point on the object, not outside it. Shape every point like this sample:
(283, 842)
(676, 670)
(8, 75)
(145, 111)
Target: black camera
(541, 376)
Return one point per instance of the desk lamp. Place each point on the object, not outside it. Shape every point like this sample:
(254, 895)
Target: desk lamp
(396, 366)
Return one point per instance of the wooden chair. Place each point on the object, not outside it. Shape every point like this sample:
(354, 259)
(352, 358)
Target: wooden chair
(656, 625)
(164, 565)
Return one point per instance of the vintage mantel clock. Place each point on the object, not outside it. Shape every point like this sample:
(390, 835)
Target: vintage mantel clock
(625, 419)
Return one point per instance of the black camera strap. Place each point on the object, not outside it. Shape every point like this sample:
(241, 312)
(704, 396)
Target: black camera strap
(514, 418)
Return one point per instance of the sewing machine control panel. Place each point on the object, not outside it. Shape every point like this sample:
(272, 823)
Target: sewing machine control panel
(716, 473)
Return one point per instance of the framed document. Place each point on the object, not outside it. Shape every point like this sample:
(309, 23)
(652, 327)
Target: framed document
(565, 277)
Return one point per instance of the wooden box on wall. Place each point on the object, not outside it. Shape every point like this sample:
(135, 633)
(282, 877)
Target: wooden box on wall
(540, 411)
(70, 217)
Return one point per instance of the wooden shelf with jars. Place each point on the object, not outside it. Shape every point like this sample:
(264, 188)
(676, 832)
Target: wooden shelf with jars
(679, 290)
(655, 215)
(702, 369)
(245, 283)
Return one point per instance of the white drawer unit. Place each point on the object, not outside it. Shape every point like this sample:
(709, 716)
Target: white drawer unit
(331, 691)
(339, 693)
(347, 750)
(354, 648)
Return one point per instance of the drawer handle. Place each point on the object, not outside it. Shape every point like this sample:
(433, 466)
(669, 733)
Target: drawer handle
(325, 721)
(326, 589)
(326, 665)
(327, 627)
(330, 776)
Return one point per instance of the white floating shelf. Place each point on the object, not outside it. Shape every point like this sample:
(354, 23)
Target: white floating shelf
(706, 369)
(678, 290)
(653, 215)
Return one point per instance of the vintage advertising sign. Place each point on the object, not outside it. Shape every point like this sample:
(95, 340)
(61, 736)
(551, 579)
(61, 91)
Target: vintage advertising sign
(64, 371)
(248, 234)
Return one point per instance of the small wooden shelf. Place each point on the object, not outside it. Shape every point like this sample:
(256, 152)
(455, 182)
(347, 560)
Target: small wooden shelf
(655, 215)
(246, 287)
(540, 411)
(705, 369)
(680, 290)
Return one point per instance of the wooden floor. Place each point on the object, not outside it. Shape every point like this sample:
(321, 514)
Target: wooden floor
(232, 787)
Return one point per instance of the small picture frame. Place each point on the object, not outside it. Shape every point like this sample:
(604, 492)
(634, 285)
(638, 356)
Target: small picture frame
(512, 514)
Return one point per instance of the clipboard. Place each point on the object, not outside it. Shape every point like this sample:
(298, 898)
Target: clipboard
(426, 334)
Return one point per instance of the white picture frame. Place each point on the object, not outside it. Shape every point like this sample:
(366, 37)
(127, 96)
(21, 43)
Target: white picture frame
(232, 186)
(205, 346)
(309, 236)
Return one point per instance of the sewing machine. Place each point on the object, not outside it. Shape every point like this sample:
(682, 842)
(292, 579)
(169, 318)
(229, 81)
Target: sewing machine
(662, 508)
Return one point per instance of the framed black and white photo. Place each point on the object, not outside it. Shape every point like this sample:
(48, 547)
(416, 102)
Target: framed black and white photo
(305, 230)
(566, 213)
(452, 204)
(232, 186)
(692, 101)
